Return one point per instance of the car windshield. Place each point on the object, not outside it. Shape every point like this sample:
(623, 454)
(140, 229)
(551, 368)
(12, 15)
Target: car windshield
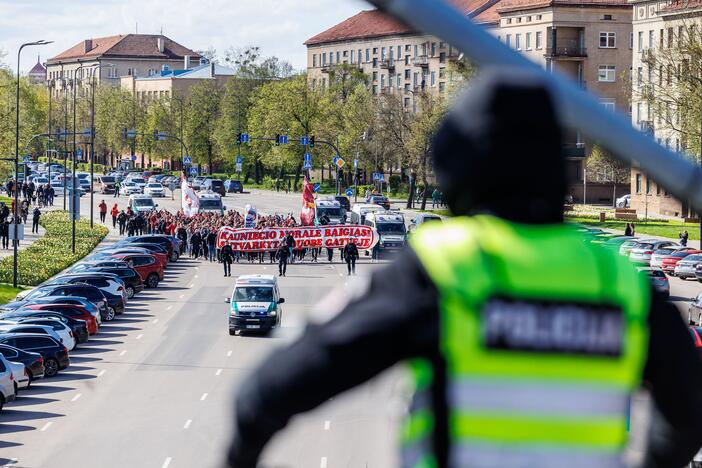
(378, 199)
(210, 203)
(630, 243)
(143, 202)
(693, 258)
(336, 212)
(663, 251)
(680, 254)
(390, 228)
(155, 185)
(656, 274)
(108, 180)
(431, 218)
(138, 180)
(644, 246)
(253, 294)
(217, 183)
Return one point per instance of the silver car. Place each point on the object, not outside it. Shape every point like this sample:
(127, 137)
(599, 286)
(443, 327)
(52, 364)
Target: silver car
(660, 254)
(659, 281)
(686, 267)
(694, 310)
(626, 247)
(642, 251)
(7, 386)
(20, 375)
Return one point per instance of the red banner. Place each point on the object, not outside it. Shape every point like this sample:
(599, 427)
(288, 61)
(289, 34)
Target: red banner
(306, 237)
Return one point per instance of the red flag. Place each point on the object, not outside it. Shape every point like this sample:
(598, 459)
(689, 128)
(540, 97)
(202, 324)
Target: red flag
(307, 213)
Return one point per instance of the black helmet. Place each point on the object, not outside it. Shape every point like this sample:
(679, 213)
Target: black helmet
(499, 150)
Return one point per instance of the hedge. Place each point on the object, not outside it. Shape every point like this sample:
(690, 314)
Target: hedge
(51, 253)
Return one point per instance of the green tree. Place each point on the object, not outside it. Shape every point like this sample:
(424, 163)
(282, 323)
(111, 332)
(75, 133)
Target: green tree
(201, 121)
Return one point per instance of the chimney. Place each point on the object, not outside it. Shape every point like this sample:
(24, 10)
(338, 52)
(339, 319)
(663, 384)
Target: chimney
(186, 62)
(159, 43)
(87, 45)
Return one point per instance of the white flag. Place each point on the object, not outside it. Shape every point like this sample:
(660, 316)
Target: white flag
(190, 202)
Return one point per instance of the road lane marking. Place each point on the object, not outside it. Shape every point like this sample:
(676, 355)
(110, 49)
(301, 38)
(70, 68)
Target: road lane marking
(155, 321)
(187, 423)
(195, 276)
(101, 373)
(75, 398)
(219, 371)
(341, 274)
(323, 462)
(203, 397)
(197, 268)
(181, 296)
(140, 336)
(46, 426)
(123, 353)
(166, 462)
(169, 307)
(326, 425)
(229, 354)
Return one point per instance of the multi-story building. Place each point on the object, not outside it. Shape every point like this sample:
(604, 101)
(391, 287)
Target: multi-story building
(117, 56)
(588, 41)
(394, 57)
(657, 26)
(175, 82)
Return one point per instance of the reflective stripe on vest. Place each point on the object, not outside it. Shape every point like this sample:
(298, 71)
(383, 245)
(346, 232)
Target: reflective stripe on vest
(515, 406)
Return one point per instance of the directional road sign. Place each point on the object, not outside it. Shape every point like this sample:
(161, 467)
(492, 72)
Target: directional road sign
(238, 167)
(283, 139)
(79, 153)
(25, 159)
(316, 187)
(193, 170)
(134, 157)
(307, 165)
(308, 157)
(349, 192)
(239, 159)
(304, 140)
(131, 133)
(379, 176)
(244, 137)
(187, 160)
(339, 162)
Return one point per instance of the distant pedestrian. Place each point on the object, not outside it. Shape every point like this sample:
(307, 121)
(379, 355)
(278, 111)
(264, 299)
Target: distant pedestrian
(283, 254)
(683, 238)
(211, 245)
(35, 220)
(226, 255)
(114, 213)
(5, 233)
(122, 221)
(103, 211)
(628, 231)
(351, 255)
(117, 189)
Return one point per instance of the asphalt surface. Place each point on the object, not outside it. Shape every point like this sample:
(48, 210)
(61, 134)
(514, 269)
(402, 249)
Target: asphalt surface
(155, 387)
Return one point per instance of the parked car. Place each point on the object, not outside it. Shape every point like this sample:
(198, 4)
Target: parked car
(625, 247)
(81, 322)
(54, 353)
(421, 219)
(161, 258)
(380, 200)
(658, 280)
(7, 383)
(614, 243)
(149, 269)
(233, 186)
(132, 281)
(668, 264)
(87, 265)
(33, 362)
(624, 201)
(91, 293)
(67, 336)
(155, 189)
(19, 374)
(111, 287)
(129, 188)
(197, 182)
(171, 243)
(106, 184)
(642, 251)
(76, 328)
(662, 253)
(214, 186)
(685, 268)
(139, 182)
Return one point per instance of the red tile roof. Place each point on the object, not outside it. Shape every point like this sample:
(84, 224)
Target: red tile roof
(679, 5)
(375, 23)
(517, 5)
(129, 45)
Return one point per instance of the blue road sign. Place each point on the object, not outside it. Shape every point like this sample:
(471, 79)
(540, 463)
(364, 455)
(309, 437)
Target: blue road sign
(193, 170)
(316, 187)
(349, 192)
(131, 133)
(355, 163)
(244, 137)
(187, 160)
(336, 158)
(308, 157)
(239, 159)
(87, 132)
(283, 139)
(134, 157)
(307, 165)
(379, 176)
(25, 159)
(305, 140)
(79, 153)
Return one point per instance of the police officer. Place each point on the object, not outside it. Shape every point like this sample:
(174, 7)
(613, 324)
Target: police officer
(283, 254)
(350, 253)
(524, 342)
(226, 254)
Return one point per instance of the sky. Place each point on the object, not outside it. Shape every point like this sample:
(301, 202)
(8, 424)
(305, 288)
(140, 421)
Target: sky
(278, 27)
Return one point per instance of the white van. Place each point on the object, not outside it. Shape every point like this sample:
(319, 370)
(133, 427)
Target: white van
(360, 210)
(390, 226)
(332, 210)
(255, 304)
(142, 203)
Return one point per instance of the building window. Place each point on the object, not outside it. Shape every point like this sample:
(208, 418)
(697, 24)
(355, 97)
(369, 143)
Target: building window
(415, 78)
(519, 19)
(508, 20)
(360, 56)
(375, 89)
(353, 56)
(324, 58)
(508, 40)
(528, 19)
(670, 37)
(382, 81)
(314, 83)
(639, 76)
(631, 40)
(609, 105)
(408, 47)
(442, 87)
(314, 60)
(331, 58)
(345, 54)
(608, 40)
(606, 73)
(416, 50)
(407, 74)
(538, 17)
(433, 79)
(638, 112)
(538, 40)
(407, 59)
(399, 52)
(641, 41)
(382, 53)
(406, 102)
(518, 41)
(650, 38)
(375, 51)
(527, 41)
(638, 183)
(338, 57)
(442, 73)
(607, 17)
(375, 63)
(367, 55)
(433, 49)
(660, 38)
(375, 76)
(399, 81)
(648, 185)
(442, 57)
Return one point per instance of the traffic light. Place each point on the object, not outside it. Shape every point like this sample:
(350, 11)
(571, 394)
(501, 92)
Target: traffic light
(277, 138)
(312, 141)
(124, 133)
(156, 136)
(238, 138)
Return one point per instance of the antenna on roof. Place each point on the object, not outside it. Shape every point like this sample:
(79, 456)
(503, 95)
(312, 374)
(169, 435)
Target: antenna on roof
(162, 30)
(136, 23)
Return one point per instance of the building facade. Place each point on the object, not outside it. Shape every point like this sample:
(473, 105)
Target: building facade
(107, 59)
(37, 74)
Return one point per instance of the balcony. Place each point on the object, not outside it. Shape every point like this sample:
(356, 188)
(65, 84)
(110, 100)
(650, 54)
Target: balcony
(326, 69)
(421, 61)
(567, 50)
(388, 64)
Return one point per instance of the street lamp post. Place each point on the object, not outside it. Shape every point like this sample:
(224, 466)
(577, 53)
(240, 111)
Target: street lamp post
(15, 216)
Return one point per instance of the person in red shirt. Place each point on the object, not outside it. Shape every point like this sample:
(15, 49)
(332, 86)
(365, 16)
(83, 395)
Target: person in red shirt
(114, 213)
(103, 211)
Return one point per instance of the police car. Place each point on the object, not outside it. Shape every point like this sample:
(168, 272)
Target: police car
(255, 304)
(332, 210)
(211, 203)
(390, 226)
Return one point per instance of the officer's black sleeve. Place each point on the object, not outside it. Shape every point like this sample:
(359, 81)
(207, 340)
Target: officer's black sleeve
(673, 373)
(394, 320)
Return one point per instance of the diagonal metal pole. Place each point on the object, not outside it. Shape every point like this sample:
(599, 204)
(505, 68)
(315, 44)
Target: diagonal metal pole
(578, 109)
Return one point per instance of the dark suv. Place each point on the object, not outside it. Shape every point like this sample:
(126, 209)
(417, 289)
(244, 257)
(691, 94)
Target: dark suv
(169, 242)
(34, 362)
(215, 186)
(86, 291)
(54, 353)
(131, 278)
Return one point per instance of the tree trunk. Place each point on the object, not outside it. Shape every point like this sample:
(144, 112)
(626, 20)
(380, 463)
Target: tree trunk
(410, 197)
(209, 158)
(298, 172)
(425, 193)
